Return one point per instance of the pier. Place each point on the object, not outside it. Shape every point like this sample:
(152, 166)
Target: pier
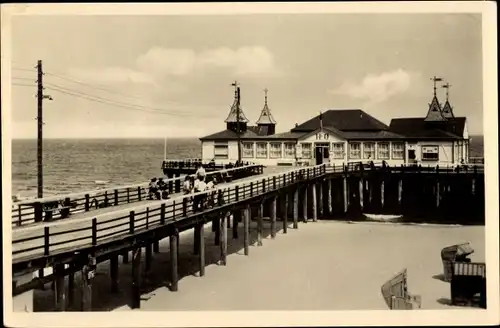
(287, 198)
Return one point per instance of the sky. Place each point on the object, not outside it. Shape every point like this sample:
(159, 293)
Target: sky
(166, 76)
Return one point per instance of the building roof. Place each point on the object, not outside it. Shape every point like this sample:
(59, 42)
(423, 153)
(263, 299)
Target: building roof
(252, 132)
(372, 135)
(343, 120)
(447, 110)
(232, 117)
(435, 112)
(419, 128)
(265, 115)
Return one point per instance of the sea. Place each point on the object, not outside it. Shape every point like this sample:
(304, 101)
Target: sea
(73, 165)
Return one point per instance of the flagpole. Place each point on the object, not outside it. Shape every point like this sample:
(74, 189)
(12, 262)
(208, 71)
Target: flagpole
(165, 148)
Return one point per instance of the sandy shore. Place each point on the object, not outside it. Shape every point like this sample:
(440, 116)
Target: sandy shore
(326, 265)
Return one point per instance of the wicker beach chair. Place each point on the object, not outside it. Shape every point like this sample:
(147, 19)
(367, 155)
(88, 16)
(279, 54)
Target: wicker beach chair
(452, 254)
(396, 296)
(468, 279)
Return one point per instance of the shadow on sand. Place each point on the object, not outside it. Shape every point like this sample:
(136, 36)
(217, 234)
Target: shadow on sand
(159, 275)
(439, 277)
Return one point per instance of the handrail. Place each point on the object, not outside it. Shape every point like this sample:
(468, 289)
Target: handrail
(84, 201)
(46, 238)
(163, 212)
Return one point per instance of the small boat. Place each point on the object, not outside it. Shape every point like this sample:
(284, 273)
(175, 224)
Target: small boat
(382, 217)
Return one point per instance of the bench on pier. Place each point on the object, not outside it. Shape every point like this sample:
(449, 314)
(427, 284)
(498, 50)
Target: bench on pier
(50, 208)
(452, 254)
(468, 279)
(396, 296)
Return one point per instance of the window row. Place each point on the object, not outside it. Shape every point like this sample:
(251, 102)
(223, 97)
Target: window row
(338, 152)
(275, 150)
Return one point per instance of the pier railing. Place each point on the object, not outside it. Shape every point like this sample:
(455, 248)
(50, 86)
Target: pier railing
(61, 206)
(476, 160)
(45, 239)
(191, 163)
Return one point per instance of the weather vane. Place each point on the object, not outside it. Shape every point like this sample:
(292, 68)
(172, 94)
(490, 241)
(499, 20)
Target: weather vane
(435, 79)
(447, 87)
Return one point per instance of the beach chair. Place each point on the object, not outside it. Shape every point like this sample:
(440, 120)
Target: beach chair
(468, 279)
(396, 296)
(452, 254)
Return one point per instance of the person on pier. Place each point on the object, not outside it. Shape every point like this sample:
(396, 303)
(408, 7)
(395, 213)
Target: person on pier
(200, 172)
(199, 186)
(153, 189)
(187, 187)
(211, 185)
(163, 189)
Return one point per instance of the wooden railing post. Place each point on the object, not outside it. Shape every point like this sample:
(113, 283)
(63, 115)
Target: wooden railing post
(139, 193)
(147, 220)
(236, 193)
(128, 195)
(106, 202)
(116, 197)
(173, 210)
(264, 185)
(131, 221)
(19, 216)
(251, 189)
(87, 202)
(38, 212)
(184, 206)
(274, 182)
(162, 213)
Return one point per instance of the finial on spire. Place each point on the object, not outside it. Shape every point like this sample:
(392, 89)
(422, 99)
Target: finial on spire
(435, 79)
(235, 84)
(447, 87)
(265, 92)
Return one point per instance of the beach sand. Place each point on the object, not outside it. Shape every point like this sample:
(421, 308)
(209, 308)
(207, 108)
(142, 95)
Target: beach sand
(324, 265)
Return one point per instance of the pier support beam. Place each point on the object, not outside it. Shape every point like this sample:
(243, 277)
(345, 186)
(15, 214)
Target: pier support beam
(87, 277)
(71, 286)
(296, 208)
(346, 195)
(156, 247)
(284, 212)
(60, 287)
(314, 202)
(320, 199)
(236, 219)
(149, 257)
(246, 229)
(125, 257)
(114, 273)
(201, 243)
(382, 196)
(216, 225)
(223, 244)
(174, 251)
(304, 205)
(196, 241)
(136, 278)
(438, 196)
(400, 191)
(273, 217)
(260, 220)
(361, 193)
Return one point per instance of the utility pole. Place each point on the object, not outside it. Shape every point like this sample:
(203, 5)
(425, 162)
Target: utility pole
(40, 97)
(40, 128)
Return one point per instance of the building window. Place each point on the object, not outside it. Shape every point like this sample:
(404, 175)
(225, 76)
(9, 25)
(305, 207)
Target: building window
(355, 150)
(275, 151)
(289, 150)
(338, 150)
(306, 150)
(247, 150)
(398, 150)
(383, 150)
(369, 150)
(261, 149)
(221, 151)
(430, 153)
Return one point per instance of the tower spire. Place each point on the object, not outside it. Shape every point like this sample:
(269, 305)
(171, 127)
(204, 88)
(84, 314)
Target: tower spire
(447, 87)
(435, 79)
(265, 92)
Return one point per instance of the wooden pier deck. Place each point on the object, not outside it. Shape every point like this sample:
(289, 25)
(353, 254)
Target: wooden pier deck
(307, 193)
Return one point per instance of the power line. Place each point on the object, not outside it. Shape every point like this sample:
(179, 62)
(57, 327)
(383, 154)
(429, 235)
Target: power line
(24, 85)
(90, 98)
(24, 78)
(83, 94)
(90, 86)
(23, 69)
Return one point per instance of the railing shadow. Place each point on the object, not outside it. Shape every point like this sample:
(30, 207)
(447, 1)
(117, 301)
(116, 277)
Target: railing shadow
(159, 275)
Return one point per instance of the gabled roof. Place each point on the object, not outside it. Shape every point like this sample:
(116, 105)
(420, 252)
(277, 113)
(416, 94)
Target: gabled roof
(252, 132)
(419, 128)
(232, 117)
(344, 120)
(434, 113)
(265, 116)
(447, 110)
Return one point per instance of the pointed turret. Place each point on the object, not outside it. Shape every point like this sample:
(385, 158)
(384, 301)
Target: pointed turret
(266, 120)
(435, 112)
(447, 109)
(232, 119)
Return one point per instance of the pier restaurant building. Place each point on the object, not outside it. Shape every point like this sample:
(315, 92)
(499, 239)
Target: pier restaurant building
(343, 135)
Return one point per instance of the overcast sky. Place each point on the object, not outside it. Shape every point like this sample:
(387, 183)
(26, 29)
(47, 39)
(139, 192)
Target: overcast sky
(183, 66)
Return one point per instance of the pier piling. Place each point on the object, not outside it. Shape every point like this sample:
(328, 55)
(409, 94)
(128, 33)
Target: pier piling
(346, 195)
(296, 208)
(273, 217)
(60, 287)
(86, 286)
(174, 252)
(236, 219)
(136, 278)
(246, 228)
(156, 246)
(201, 236)
(114, 273)
(320, 199)
(314, 203)
(223, 244)
(304, 205)
(260, 214)
(284, 212)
